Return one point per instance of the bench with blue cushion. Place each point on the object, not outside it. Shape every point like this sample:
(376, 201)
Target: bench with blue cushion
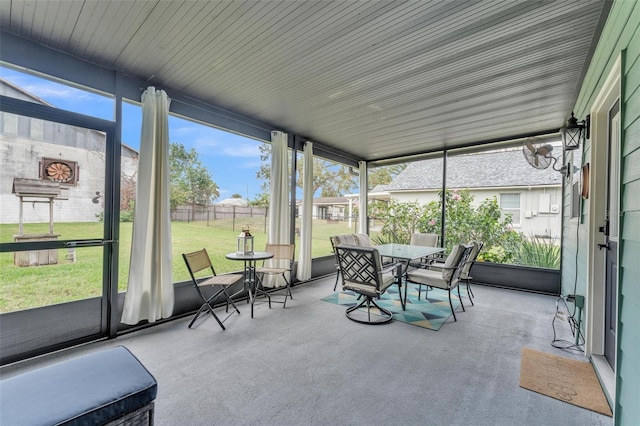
(107, 387)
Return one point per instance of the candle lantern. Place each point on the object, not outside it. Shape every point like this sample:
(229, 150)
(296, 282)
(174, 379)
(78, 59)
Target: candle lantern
(245, 241)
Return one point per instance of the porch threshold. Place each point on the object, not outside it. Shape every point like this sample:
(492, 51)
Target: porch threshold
(606, 376)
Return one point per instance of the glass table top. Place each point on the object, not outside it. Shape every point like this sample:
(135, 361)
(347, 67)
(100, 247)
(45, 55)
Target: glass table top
(407, 251)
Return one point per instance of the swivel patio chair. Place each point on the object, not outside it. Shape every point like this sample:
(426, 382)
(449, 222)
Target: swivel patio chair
(358, 240)
(447, 279)
(363, 273)
(198, 264)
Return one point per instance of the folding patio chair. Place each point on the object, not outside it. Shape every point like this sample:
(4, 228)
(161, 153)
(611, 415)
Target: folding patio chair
(282, 253)
(199, 261)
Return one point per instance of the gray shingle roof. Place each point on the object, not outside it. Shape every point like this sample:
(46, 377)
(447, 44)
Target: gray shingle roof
(331, 200)
(487, 169)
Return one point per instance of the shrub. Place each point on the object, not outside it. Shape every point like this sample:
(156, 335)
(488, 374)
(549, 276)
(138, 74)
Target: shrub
(400, 221)
(536, 251)
(464, 222)
(125, 215)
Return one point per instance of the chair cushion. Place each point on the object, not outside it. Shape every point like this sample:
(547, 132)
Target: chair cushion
(370, 290)
(91, 389)
(427, 277)
(436, 266)
(427, 240)
(344, 240)
(362, 240)
(452, 261)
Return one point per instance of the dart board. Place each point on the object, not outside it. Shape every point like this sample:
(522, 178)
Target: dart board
(60, 171)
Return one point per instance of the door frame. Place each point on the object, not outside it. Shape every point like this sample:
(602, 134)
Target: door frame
(595, 297)
(107, 303)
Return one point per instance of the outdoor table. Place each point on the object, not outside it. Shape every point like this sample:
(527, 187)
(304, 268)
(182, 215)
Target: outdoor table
(249, 273)
(406, 253)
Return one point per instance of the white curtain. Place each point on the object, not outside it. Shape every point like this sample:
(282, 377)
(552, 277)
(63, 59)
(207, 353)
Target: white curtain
(279, 199)
(304, 262)
(362, 212)
(150, 289)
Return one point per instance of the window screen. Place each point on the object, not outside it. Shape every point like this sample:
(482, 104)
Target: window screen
(510, 204)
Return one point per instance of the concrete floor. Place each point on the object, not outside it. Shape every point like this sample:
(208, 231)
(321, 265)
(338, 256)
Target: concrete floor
(309, 365)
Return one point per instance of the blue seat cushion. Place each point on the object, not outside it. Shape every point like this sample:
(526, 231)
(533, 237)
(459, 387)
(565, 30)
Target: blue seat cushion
(90, 389)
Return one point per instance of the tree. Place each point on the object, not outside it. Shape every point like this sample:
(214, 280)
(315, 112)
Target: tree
(261, 200)
(236, 196)
(384, 175)
(464, 222)
(331, 179)
(191, 183)
(400, 220)
(127, 196)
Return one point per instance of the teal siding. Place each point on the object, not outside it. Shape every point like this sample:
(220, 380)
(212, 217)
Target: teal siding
(628, 372)
(615, 37)
(621, 34)
(633, 137)
(631, 167)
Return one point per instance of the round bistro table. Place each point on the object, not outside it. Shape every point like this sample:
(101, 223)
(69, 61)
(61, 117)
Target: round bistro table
(249, 273)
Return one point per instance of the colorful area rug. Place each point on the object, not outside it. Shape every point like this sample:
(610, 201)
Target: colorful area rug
(430, 313)
(562, 378)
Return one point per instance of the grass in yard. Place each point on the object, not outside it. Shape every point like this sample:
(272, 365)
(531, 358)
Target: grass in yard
(29, 287)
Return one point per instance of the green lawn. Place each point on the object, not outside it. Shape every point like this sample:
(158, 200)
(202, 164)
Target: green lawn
(28, 287)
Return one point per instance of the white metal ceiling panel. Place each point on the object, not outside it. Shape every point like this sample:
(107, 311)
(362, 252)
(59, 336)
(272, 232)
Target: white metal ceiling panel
(376, 79)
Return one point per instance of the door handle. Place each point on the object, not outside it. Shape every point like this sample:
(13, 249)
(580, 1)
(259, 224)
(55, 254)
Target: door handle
(603, 246)
(88, 243)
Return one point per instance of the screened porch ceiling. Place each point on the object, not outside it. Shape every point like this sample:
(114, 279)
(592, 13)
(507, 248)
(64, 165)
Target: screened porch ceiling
(372, 79)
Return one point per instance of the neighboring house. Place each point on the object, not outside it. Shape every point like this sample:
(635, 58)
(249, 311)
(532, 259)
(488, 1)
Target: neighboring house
(531, 196)
(238, 202)
(330, 208)
(72, 156)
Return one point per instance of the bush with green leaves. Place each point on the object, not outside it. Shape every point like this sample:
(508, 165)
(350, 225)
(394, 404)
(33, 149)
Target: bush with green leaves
(126, 215)
(400, 221)
(537, 251)
(464, 222)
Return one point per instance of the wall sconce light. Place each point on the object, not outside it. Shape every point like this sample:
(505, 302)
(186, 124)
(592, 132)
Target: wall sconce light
(575, 132)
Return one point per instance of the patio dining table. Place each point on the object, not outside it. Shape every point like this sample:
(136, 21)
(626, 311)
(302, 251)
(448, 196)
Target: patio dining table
(406, 253)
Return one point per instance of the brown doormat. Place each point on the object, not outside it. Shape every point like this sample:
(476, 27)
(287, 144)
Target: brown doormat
(562, 378)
